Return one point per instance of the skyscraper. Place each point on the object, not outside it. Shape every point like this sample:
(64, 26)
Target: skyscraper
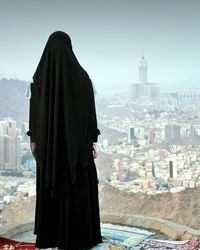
(172, 170)
(162, 154)
(143, 88)
(172, 132)
(131, 134)
(143, 70)
(24, 129)
(9, 145)
(150, 136)
(2, 152)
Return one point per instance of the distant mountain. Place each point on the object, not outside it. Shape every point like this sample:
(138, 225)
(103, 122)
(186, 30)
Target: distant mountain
(186, 85)
(13, 102)
(112, 135)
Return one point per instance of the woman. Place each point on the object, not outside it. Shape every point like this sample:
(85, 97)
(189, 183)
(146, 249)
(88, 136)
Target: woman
(63, 130)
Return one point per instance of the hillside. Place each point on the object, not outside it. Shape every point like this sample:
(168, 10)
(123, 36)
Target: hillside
(13, 102)
(182, 208)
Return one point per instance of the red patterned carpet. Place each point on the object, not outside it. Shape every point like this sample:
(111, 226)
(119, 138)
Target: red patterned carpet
(6, 244)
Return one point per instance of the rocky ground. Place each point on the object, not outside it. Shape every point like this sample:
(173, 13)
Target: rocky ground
(182, 208)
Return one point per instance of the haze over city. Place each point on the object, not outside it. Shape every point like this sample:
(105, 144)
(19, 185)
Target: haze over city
(109, 38)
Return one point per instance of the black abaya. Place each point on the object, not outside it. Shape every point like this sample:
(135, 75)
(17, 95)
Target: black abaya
(63, 125)
(70, 221)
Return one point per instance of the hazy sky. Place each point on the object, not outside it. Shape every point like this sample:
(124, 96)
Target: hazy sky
(108, 36)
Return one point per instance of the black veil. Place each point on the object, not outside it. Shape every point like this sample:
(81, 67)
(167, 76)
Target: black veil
(62, 114)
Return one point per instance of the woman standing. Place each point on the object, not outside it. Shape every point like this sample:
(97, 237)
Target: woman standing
(63, 129)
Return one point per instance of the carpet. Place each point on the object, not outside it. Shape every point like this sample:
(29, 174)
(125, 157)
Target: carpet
(115, 237)
(121, 237)
(7, 244)
(153, 244)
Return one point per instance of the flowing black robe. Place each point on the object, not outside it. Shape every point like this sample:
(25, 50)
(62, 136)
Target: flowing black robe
(63, 125)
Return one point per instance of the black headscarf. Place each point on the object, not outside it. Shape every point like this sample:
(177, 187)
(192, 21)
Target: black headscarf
(65, 116)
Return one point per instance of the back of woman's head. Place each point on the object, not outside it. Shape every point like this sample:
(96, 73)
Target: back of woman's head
(58, 48)
(59, 39)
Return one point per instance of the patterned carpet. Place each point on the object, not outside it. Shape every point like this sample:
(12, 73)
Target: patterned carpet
(7, 244)
(116, 237)
(193, 244)
(121, 237)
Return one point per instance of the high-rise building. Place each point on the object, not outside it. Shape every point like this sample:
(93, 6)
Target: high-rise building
(135, 90)
(24, 129)
(9, 145)
(143, 70)
(150, 136)
(140, 132)
(153, 169)
(172, 132)
(2, 151)
(162, 154)
(172, 170)
(131, 134)
(143, 88)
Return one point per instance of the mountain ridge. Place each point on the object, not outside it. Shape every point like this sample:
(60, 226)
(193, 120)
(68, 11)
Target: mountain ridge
(13, 101)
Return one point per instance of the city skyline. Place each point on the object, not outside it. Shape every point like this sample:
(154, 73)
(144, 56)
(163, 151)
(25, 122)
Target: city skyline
(153, 149)
(109, 38)
(146, 148)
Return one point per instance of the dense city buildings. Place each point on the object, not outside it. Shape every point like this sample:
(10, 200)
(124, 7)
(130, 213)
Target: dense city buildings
(158, 143)
(17, 166)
